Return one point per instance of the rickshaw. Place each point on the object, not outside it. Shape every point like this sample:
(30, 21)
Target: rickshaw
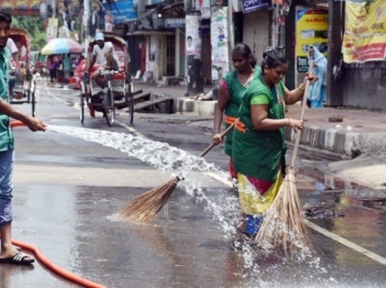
(118, 93)
(24, 90)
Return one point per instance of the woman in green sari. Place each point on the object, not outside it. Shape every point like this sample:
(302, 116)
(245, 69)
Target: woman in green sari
(232, 90)
(258, 141)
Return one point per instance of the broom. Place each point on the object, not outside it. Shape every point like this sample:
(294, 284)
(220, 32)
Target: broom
(146, 206)
(283, 227)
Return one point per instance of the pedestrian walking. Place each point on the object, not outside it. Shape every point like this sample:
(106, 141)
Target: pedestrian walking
(8, 253)
(232, 90)
(317, 91)
(53, 68)
(67, 66)
(258, 142)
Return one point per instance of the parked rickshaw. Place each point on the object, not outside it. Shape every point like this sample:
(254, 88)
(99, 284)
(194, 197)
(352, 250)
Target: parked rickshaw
(118, 93)
(25, 89)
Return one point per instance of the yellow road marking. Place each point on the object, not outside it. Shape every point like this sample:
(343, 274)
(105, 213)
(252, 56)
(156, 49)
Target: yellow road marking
(346, 243)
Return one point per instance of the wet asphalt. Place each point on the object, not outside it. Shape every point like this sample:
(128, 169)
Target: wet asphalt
(68, 191)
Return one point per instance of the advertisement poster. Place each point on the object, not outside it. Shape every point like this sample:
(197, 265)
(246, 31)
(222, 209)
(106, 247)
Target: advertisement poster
(311, 29)
(365, 32)
(219, 38)
(202, 4)
(52, 29)
(193, 37)
(121, 10)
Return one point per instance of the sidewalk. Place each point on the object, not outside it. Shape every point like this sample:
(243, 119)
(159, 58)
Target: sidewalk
(182, 103)
(361, 131)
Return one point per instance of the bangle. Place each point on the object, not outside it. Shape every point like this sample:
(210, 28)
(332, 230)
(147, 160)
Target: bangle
(301, 87)
(289, 122)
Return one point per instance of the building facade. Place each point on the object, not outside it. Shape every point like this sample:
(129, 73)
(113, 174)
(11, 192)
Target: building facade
(362, 81)
(157, 33)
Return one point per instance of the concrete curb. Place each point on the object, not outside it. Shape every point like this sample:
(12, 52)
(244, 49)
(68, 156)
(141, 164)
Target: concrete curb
(205, 108)
(333, 140)
(339, 141)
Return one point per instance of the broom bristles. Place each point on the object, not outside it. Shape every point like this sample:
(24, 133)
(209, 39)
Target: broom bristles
(283, 228)
(146, 206)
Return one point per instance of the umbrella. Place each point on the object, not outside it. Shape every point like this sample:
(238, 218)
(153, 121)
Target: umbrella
(62, 46)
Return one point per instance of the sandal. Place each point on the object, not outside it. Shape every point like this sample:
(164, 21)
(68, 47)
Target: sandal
(19, 258)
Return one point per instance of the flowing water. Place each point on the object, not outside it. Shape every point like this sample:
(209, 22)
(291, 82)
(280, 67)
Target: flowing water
(164, 157)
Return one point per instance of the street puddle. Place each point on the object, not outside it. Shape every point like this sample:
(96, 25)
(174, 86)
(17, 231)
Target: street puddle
(344, 191)
(224, 207)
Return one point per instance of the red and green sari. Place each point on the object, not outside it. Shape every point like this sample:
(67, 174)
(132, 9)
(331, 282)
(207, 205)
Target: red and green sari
(257, 154)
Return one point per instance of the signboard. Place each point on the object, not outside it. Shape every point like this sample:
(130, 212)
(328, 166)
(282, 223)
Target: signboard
(193, 37)
(52, 29)
(219, 38)
(175, 22)
(253, 5)
(121, 10)
(311, 29)
(202, 4)
(365, 32)
(28, 8)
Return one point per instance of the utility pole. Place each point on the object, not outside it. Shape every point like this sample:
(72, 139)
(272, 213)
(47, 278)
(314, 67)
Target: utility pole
(231, 36)
(221, 44)
(53, 9)
(193, 49)
(86, 25)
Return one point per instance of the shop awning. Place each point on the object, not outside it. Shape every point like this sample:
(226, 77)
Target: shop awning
(143, 33)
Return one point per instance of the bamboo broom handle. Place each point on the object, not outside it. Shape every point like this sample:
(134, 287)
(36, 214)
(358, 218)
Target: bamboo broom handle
(299, 133)
(222, 135)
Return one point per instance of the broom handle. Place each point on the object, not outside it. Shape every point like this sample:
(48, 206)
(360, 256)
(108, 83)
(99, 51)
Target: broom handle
(299, 133)
(222, 135)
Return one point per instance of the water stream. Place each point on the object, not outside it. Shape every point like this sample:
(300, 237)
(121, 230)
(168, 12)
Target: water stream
(164, 157)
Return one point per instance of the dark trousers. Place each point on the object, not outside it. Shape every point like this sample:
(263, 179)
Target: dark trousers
(53, 75)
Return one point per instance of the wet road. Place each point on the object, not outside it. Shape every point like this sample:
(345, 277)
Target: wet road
(68, 191)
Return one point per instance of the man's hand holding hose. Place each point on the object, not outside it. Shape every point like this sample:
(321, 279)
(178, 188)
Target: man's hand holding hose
(32, 123)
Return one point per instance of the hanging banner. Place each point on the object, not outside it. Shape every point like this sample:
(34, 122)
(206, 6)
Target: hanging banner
(365, 32)
(311, 29)
(121, 10)
(219, 38)
(193, 37)
(52, 29)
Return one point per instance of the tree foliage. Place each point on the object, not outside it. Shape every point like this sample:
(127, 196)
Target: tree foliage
(35, 28)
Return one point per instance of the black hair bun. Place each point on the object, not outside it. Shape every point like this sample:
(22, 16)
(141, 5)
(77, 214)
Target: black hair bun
(269, 50)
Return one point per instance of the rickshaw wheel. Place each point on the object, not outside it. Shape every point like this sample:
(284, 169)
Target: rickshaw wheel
(28, 95)
(130, 103)
(33, 103)
(109, 108)
(31, 97)
(81, 108)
